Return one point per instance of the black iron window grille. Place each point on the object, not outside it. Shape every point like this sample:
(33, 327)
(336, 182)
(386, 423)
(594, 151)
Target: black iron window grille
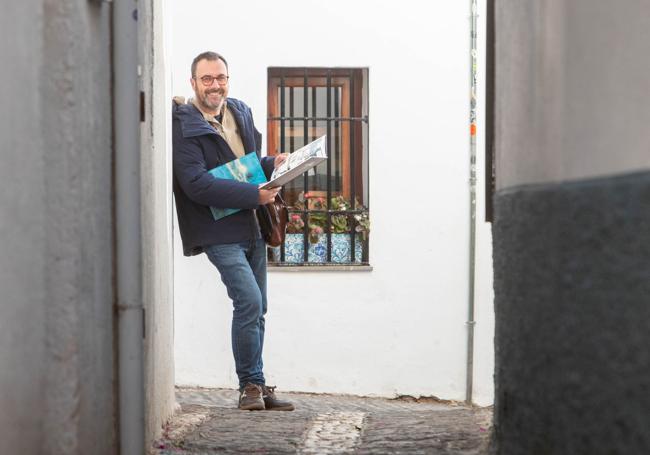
(328, 206)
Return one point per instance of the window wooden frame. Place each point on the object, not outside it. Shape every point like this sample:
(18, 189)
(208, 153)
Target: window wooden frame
(340, 78)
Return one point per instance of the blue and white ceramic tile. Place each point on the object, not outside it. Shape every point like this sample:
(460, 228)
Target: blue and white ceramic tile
(294, 249)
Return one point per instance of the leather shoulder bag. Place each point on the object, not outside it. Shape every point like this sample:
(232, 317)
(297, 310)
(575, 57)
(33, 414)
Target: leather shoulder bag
(273, 219)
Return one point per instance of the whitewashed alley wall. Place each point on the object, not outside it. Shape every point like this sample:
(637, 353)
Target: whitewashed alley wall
(157, 251)
(400, 328)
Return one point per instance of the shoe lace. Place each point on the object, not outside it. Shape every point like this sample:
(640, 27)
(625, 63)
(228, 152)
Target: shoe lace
(269, 391)
(251, 391)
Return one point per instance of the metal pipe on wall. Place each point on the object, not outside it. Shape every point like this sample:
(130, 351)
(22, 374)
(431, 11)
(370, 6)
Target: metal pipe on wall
(126, 124)
(472, 184)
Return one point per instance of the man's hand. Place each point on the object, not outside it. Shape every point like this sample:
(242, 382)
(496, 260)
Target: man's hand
(279, 159)
(268, 196)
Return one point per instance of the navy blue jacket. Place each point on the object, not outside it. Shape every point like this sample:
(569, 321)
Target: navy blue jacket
(198, 148)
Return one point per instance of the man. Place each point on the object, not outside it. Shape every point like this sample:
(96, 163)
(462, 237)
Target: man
(208, 131)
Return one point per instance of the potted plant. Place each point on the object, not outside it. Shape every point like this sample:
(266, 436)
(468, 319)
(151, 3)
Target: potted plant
(340, 229)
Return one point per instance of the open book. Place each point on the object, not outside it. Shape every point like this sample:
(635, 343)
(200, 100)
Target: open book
(248, 169)
(299, 162)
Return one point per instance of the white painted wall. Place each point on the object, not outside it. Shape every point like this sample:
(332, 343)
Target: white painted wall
(400, 328)
(157, 249)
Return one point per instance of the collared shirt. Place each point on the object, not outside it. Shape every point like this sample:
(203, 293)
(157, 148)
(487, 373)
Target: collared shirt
(226, 128)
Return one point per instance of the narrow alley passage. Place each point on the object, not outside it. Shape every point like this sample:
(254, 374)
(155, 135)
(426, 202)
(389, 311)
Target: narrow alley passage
(209, 423)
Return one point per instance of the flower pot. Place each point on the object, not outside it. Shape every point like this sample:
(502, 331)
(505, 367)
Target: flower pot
(317, 253)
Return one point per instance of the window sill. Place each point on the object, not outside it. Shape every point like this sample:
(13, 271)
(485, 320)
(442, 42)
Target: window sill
(272, 268)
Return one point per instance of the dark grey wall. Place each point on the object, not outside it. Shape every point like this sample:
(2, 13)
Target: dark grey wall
(56, 323)
(572, 286)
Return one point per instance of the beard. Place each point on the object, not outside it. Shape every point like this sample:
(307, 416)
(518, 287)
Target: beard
(211, 102)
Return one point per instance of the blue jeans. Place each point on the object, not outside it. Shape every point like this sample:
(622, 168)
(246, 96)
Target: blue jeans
(243, 270)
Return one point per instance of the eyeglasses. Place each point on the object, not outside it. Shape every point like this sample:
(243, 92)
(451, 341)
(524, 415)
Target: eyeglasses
(207, 80)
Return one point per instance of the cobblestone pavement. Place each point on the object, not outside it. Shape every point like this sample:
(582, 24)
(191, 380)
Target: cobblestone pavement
(209, 423)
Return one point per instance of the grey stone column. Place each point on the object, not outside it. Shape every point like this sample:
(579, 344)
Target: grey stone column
(572, 227)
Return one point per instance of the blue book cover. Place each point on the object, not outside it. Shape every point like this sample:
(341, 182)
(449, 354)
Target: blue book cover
(244, 169)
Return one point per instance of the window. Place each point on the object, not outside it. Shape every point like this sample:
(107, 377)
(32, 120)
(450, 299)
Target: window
(328, 206)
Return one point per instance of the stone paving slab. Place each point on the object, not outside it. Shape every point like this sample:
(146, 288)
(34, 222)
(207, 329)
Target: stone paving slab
(209, 423)
(458, 431)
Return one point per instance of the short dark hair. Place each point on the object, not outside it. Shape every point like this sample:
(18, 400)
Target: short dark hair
(210, 56)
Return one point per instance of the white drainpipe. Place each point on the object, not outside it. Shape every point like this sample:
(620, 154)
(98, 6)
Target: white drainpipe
(126, 123)
(472, 180)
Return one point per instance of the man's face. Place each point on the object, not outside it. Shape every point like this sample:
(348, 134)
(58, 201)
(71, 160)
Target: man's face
(210, 94)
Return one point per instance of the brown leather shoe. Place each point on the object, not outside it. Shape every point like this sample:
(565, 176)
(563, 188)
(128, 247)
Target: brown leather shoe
(272, 403)
(250, 398)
